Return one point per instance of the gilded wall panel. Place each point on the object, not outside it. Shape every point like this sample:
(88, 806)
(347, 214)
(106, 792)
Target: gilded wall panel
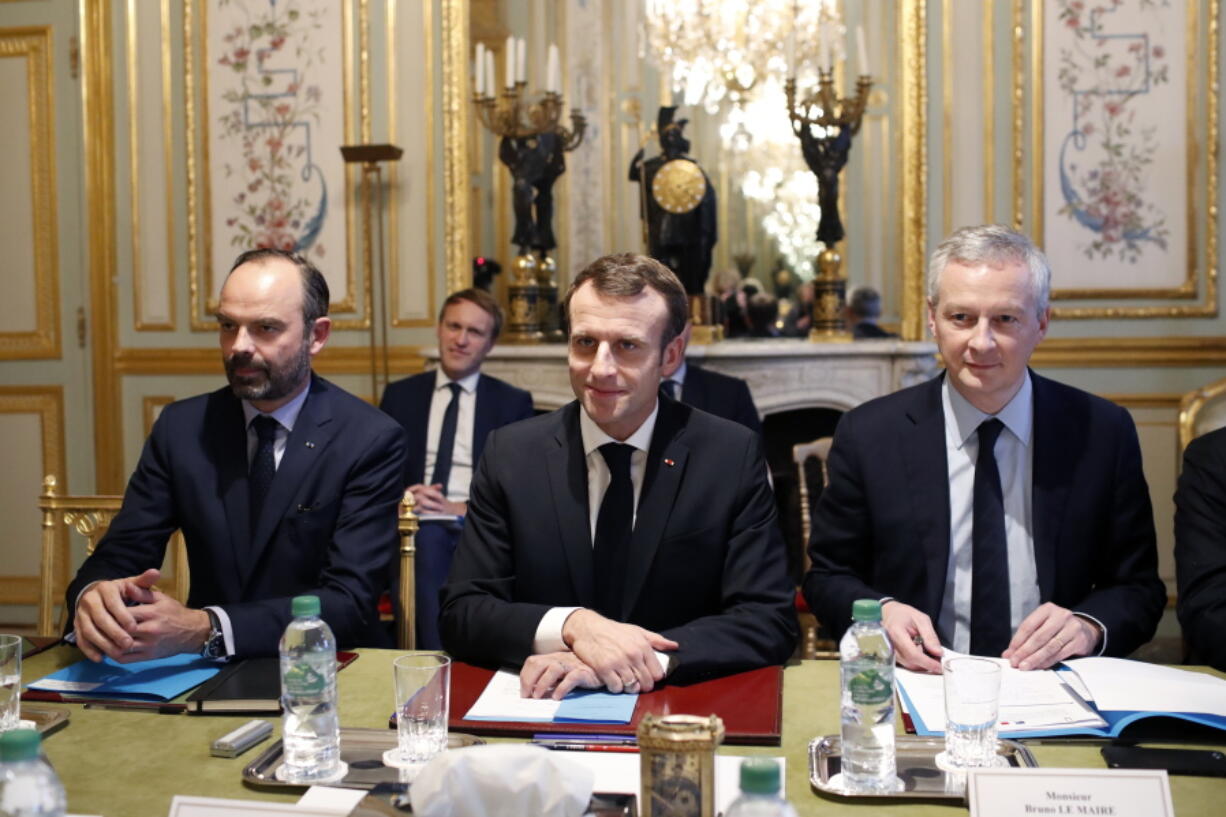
(28, 226)
(32, 437)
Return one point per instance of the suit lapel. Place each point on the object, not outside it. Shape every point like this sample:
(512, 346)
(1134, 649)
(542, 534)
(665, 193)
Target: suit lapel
(661, 481)
(483, 417)
(419, 401)
(927, 477)
(1054, 445)
(228, 431)
(567, 470)
(307, 442)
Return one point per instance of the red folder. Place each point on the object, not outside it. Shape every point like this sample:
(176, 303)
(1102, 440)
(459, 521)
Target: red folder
(749, 703)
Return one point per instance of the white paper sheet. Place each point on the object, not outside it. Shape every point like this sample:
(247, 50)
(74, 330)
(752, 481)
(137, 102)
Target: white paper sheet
(1120, 685)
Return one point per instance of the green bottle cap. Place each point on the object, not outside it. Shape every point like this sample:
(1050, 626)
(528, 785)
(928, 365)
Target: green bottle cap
(866, 610)
(305, 606)
(19, 744)
(760, 775)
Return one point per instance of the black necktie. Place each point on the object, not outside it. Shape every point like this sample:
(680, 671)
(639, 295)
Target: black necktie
(446, 440)
(669, 387)
(263, 466)
(990, 625)
(613, 526)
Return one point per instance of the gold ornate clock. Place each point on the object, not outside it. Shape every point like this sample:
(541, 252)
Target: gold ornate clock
(678, 765)
(678, 186)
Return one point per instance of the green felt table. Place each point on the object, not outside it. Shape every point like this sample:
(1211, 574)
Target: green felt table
(131, 763)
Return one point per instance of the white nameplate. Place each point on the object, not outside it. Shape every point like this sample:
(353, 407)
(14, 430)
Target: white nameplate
(1070, 793)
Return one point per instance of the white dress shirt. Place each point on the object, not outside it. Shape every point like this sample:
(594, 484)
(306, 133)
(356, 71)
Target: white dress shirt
(549, 629)
(677, 377)
(1014, 459)
(461, 475)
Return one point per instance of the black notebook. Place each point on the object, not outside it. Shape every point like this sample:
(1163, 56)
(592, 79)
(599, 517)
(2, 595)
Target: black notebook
(252, 685)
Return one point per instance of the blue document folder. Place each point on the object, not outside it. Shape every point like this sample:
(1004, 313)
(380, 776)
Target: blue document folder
(158, 680)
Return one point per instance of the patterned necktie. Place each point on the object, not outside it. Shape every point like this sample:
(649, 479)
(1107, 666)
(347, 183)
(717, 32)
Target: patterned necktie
(991, 628)
(263, 466)
(614, 523)
(446, 440)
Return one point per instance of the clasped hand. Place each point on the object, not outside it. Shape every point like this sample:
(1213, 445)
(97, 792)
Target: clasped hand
(603, 652)
(1044, 638)
(430, 499)
(129, 620)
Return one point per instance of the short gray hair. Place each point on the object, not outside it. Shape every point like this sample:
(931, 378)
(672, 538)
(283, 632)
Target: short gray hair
(993, 245)
(864, 302)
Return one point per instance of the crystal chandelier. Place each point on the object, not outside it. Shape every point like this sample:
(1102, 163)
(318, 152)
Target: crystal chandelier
(718, 50)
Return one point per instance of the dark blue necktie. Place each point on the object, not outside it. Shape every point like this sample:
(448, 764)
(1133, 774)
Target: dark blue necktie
(990, 625)
(614, 523)
(669, 387)
(446, 440)
(263, 466)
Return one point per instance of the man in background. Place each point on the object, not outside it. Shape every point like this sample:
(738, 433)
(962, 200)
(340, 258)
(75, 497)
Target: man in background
(282, 484)
(863, 312)
(1200, 549)
(447, 414)
(993, 511)
(714, 393)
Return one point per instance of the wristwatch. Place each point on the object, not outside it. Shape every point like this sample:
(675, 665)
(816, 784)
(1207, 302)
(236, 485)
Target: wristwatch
(215, 644)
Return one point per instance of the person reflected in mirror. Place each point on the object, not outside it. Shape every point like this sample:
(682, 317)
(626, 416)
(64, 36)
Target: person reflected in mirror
(862, 312)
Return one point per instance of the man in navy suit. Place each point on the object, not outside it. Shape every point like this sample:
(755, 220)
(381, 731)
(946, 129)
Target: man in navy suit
(712, 392)
(622, 537)
(282, 484)
(448, 413)
(1037, 544)
(1200, 549)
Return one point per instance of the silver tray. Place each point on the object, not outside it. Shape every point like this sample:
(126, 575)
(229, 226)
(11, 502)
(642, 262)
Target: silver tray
(915, 757)
(362, 749)
(46, 719)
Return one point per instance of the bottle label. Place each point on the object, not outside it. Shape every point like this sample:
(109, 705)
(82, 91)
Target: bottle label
(869, 687)
(304, 679)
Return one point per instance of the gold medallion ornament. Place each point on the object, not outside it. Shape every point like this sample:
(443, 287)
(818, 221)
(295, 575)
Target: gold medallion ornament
(678, 186)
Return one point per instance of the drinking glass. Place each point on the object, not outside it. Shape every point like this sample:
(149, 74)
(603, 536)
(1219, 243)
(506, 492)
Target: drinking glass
(10, 681)
(423, 687)
(972, 702)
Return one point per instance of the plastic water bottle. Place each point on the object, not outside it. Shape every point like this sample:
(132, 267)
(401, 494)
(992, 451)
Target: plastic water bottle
(28, 784)
(310, 728)
(866, 659)
(760, 791)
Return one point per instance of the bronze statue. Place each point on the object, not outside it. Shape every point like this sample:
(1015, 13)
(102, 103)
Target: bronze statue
(535, 163)
(678, 205)
(826, 157)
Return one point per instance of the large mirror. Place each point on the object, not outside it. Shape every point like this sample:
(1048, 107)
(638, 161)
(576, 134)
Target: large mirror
(611, 70)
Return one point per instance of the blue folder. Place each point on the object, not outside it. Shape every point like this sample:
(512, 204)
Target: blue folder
(158, 680)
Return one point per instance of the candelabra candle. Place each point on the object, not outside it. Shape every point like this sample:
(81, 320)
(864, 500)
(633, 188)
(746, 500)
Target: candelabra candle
(511, 114)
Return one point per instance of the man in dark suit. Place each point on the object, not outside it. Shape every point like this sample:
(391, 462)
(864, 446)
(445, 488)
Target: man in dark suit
(712, 392)
(1200, 549)
(282, 484)
(447, 414)
(623, 537)
(863, 311)
(1038, 544)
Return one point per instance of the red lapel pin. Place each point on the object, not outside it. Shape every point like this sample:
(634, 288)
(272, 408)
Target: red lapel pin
(669, 463)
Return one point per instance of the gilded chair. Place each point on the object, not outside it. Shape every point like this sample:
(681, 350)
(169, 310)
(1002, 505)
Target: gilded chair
(406, 638)
(89, 516)
(1200, 411)
(819, 449)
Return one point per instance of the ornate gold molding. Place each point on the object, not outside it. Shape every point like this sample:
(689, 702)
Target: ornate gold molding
(34, 45)
(393, 171)
(48, 403)
(1188, 290)
(1130, 352)
(99, 140)
(132, 37)
(150, 405)
(456, 124)
(913, 73)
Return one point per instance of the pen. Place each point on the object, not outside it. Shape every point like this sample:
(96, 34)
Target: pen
(140, 706)
(590, 747)
(560, 736)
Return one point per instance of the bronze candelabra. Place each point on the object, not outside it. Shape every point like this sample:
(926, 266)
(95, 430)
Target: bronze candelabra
(825, 125)
(533, 289)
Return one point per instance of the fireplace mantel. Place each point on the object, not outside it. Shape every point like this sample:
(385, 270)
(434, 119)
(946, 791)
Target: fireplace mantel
(782, 374)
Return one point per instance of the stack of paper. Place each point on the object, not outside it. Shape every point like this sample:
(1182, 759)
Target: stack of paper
(1091, 696)
(501, 701)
